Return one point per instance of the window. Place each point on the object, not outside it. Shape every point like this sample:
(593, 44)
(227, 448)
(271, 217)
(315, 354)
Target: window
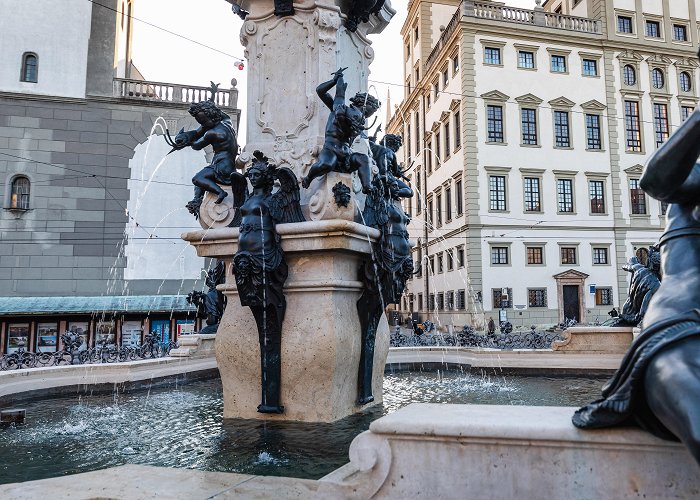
(568, 255)
(629, 75)
(653, 29)
(436, 90)
(458, 131)
(590, 67)
(685, 81)
(431, 264)
(441, 301)
(492, 55)
(30, 68)
(596, 192)
(458, 196)
(526, 59)
(455, 64)
(499, 255)
(415, 34)
(417, 75)
(600, 255)
(19, 193)
(497, 192)
(502, 298)
(438, 146)
(460, 257)
(429, 215)
(532, 194)
(680, 33)
(657, 78)
(537, 297)
(408, 139)
(529, 126)
(420, 301)
(637, 198)
(438, 209)
(565, 196)
(660, 123)
(593, 132)
(428, 162)
(461, 300)
(448, 203)
(632, 126)
(450, 300)
(494, 127)
(431, 302)
(664, 207)
(445, 79)
(440, 267)
(624, 24)
(450, 261)
(561, 129)
(447, 139)
(535, 255)
(603, 296)
(417, 141)
(558, 64)
(686, 111)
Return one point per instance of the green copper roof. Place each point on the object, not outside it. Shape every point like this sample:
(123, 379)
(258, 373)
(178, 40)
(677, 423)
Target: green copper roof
(14, 306)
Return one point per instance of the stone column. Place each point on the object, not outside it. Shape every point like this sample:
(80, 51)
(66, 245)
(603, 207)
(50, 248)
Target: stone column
(287, 58)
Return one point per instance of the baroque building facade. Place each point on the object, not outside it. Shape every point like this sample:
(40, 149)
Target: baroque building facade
(525, 134)
(92, 209)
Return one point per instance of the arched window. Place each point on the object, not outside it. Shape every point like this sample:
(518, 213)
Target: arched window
(657, 78)
(30, 67)
(629, 75)
(685, 81)
(19, 193)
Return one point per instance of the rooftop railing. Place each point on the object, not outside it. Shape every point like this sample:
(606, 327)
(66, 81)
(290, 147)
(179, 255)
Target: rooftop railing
(160, 92)
(498, 11)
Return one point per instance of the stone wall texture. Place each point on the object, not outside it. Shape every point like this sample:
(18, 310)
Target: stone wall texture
(76, 153)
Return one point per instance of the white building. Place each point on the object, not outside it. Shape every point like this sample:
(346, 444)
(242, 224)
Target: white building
(526, 132)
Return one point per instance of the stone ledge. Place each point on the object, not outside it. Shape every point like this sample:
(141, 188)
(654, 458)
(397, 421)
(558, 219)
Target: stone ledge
(442, 451)
(31, 380)
(595, 339)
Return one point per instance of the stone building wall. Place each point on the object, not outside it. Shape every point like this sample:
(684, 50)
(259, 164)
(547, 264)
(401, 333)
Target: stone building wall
(76, 154)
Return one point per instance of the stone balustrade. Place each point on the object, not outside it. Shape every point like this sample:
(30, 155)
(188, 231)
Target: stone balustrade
(160, 92)
(498, 11)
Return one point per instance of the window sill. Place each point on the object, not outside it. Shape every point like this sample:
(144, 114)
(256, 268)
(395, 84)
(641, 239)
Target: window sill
(590, 76)
(566, 213)
(598, 215)
(527, 69)
(567, 148)
(595, 150)
(17, 209)
(493, 143)
(559, 72)
(530, 145)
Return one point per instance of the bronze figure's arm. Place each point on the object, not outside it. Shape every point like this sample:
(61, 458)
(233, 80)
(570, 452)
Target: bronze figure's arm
(671, 175)
(322, 89)
(210, 137)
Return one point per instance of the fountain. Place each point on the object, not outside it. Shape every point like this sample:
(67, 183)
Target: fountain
(317, 348)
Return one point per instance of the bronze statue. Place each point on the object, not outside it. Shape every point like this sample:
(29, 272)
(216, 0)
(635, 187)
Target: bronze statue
(645, 267)
(259, 266)
(216, 130)
(360, 12)
(210, 305)
(658, 384)
(384, 154)
(385, 275)
(344, 124)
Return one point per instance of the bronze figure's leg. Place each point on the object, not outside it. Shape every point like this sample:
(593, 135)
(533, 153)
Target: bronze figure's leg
(327, 162)
(672, 387)
(206, 180)
(360, 162)
(270, 336)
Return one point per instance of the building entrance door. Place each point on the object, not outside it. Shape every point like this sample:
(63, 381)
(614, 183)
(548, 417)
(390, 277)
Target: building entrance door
(571, 302)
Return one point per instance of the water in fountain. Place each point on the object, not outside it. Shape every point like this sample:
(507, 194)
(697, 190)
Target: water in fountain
(78, 433)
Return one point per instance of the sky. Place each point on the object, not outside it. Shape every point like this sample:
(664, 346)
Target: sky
(167, 57)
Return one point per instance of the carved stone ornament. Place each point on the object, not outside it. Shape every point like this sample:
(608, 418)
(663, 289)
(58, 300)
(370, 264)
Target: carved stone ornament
(341, 193)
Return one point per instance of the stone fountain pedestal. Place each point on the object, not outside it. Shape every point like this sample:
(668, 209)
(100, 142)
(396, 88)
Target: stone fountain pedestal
(321, 329)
